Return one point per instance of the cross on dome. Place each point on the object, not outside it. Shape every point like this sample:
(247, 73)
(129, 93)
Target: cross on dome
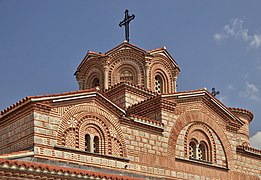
(126, 23)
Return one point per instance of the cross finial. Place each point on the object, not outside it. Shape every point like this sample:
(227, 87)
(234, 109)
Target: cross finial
(126, 23)
(214, 92)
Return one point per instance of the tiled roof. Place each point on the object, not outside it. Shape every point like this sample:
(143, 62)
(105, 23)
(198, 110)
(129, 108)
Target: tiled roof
(30, 98)
(62, 96)
(185, 92)
(245, 111)
(131, 85)
(61, 171)
(125, 44)
(86, 57)
(163, 49)
(204, 91)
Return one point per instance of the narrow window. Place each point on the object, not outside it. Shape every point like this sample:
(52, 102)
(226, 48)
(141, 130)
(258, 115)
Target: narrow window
(202, 155)
(96, 144)
(192, 150)
(95, 82)
(87, 143)
(158, 84)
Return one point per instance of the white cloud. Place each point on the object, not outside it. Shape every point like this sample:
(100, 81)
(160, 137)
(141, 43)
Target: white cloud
(236, 30)
(255, 140)
(251, 91)
(219, 37)
(256, 41)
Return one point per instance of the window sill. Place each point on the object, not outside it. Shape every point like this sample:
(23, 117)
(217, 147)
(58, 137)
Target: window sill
(203, 163)
(90, 153)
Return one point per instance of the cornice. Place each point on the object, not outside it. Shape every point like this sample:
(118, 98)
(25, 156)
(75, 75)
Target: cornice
(143, 123)
(249, 151)
(14, 168)
(211, 101)
(45, 102)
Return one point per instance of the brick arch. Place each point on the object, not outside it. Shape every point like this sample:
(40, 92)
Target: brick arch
(158, 70)
(198, 126)
(165, 69)
(127, 65)
(127, 57)
(190, 117)
(80, 111)
(91, 68)
(91, 121)
(92, 74)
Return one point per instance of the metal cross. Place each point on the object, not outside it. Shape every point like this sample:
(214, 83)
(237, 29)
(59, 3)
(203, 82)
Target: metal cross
(214, 92)
(126, 23)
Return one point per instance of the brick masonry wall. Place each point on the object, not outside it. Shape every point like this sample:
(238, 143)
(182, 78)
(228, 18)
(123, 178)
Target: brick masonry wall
(149, 150)
(45, 128)
(127, 99)
(16, 134)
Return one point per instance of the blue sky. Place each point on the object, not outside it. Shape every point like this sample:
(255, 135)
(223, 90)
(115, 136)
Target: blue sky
(216, 44)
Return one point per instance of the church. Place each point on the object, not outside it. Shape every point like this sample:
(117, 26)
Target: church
(127, 121)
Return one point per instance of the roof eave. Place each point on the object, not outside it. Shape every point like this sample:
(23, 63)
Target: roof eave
(204, 92)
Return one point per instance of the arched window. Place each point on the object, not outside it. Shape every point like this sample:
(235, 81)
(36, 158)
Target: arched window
(203, 152)
(192, 150)
(95, 82)
(126, 76)
(96, 144)
(158, 84)
(87, 142)
(92, 143)
(198, 151)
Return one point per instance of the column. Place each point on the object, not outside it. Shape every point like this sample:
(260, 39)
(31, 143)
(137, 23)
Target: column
(175, 84)
(106, 76)
(146, 78)
(91, 143)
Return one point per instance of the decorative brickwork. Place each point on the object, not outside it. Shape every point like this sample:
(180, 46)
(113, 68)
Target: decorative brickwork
(162, 69)
(134, 125)
(102, 123)
(197, 116)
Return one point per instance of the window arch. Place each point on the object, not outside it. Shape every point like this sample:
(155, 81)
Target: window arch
(200, 145)
(198, 151)
(96, 144)
(95, 82)
(126, 76)
(158, 84)
(203, 151)
(127, 72)
(87, 142)
(92, 143)
(94, 139)
(192, 150)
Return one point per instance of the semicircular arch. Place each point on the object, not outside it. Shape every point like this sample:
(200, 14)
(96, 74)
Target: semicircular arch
(158, 68)
(125, 58)
(74, 115)
(190, 117)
